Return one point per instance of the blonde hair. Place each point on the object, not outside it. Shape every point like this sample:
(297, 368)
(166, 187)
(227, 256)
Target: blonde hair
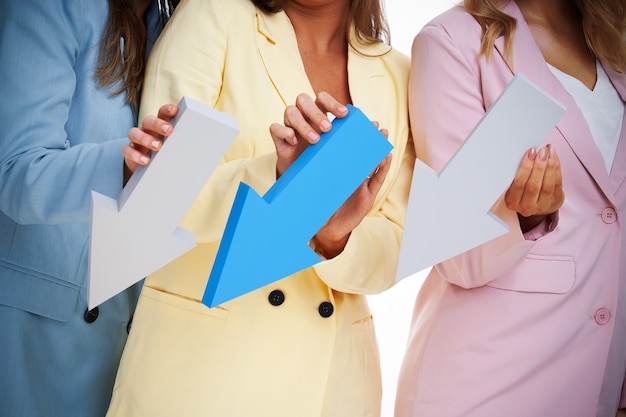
(604, 25)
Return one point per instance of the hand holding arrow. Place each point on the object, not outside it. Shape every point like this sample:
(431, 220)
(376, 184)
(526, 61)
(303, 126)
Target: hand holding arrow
(266, 238)
(448, 213)
(138, 233)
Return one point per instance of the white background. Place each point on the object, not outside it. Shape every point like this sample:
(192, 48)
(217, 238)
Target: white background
(392, 309)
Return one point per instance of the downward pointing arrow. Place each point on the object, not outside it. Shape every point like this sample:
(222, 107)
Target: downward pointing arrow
(448, 214)
(138, 233)
(266, 239)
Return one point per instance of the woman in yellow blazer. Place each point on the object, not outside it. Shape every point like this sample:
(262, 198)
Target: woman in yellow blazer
(305, 345)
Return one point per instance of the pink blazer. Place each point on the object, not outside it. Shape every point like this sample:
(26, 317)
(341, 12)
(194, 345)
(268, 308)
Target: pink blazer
(529, 326)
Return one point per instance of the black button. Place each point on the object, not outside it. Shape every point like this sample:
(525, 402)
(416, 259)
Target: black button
(276, 298)
(91, 315)
(326, 309)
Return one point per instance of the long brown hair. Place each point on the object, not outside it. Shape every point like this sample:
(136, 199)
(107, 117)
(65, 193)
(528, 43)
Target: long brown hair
(122, 56)
(123, 48)
(368, 17)
(604, 25)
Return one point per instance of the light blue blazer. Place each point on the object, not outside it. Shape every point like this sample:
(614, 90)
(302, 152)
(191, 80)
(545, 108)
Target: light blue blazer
(60, 137)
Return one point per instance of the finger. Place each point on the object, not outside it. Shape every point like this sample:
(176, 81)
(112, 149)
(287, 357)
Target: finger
(535, 180)
(282, 134)
(315, 112)
(288, 148)
(156, 126)
(559, 194)
(135, 155)
(300, 117)
(140, 138)
(549, 177)
(530, 203)
(515, 192)
(551, 195)
(376, 180)
(167, 111)
(330, 105)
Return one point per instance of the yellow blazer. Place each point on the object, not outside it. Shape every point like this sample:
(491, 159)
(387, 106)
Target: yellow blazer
(255, 356)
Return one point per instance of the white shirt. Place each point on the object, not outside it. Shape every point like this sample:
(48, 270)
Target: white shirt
(602, 108)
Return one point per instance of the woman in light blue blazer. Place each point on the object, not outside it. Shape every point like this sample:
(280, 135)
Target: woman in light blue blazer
(69, 97)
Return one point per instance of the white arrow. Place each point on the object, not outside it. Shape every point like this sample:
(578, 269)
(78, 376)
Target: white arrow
(448, 213)
(138, 233)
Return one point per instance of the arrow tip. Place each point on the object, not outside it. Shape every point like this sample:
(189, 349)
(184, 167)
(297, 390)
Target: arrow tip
(118, 260)
(247, 258)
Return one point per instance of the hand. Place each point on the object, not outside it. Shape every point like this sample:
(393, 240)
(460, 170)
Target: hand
(147, 139)
(303, 123)
(537, 189)
(332, 238)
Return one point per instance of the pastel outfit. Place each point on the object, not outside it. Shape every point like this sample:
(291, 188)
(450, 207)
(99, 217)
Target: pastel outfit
(60, 137)
(305, 345)
(525, 325)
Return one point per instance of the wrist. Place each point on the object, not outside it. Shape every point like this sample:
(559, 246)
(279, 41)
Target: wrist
(530, 222)
(328, 248)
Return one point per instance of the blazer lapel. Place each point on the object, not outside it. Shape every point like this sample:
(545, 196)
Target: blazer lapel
(370, 87)
(618, 173)
(528, 60)
(279, 52)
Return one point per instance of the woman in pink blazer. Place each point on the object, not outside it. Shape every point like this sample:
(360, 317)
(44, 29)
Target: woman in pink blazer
(533, 323)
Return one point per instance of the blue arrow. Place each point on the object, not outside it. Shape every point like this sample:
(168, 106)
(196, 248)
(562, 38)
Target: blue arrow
(266, 239)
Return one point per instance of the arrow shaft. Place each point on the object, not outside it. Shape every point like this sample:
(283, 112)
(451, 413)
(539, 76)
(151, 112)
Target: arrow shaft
(519, 119)
(328, 172)
(162, 192)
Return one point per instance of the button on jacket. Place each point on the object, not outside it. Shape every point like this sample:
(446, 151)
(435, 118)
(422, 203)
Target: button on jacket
(60, 137)
(517, 327)
(248, 357)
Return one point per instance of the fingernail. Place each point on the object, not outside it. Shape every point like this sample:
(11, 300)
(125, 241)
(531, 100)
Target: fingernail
(532, 154)
(342, 109)
(145, 159)
(313, 137)
(165, 128)
(156, 144)
(326, 125)
(550, 151)
(543, 153)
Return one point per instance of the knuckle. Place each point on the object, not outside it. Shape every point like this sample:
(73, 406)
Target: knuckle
(323, 95)
(302, 98)
(147, 121)
(291, 112)
(146, 140)
(134, 134)
(517, 183)
(533, 188)
(525, 211)
(275, 128)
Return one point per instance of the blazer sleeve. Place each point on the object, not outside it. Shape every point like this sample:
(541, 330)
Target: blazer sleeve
(368, 263)
(446, 102)
(188, 60)
(46, 176)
